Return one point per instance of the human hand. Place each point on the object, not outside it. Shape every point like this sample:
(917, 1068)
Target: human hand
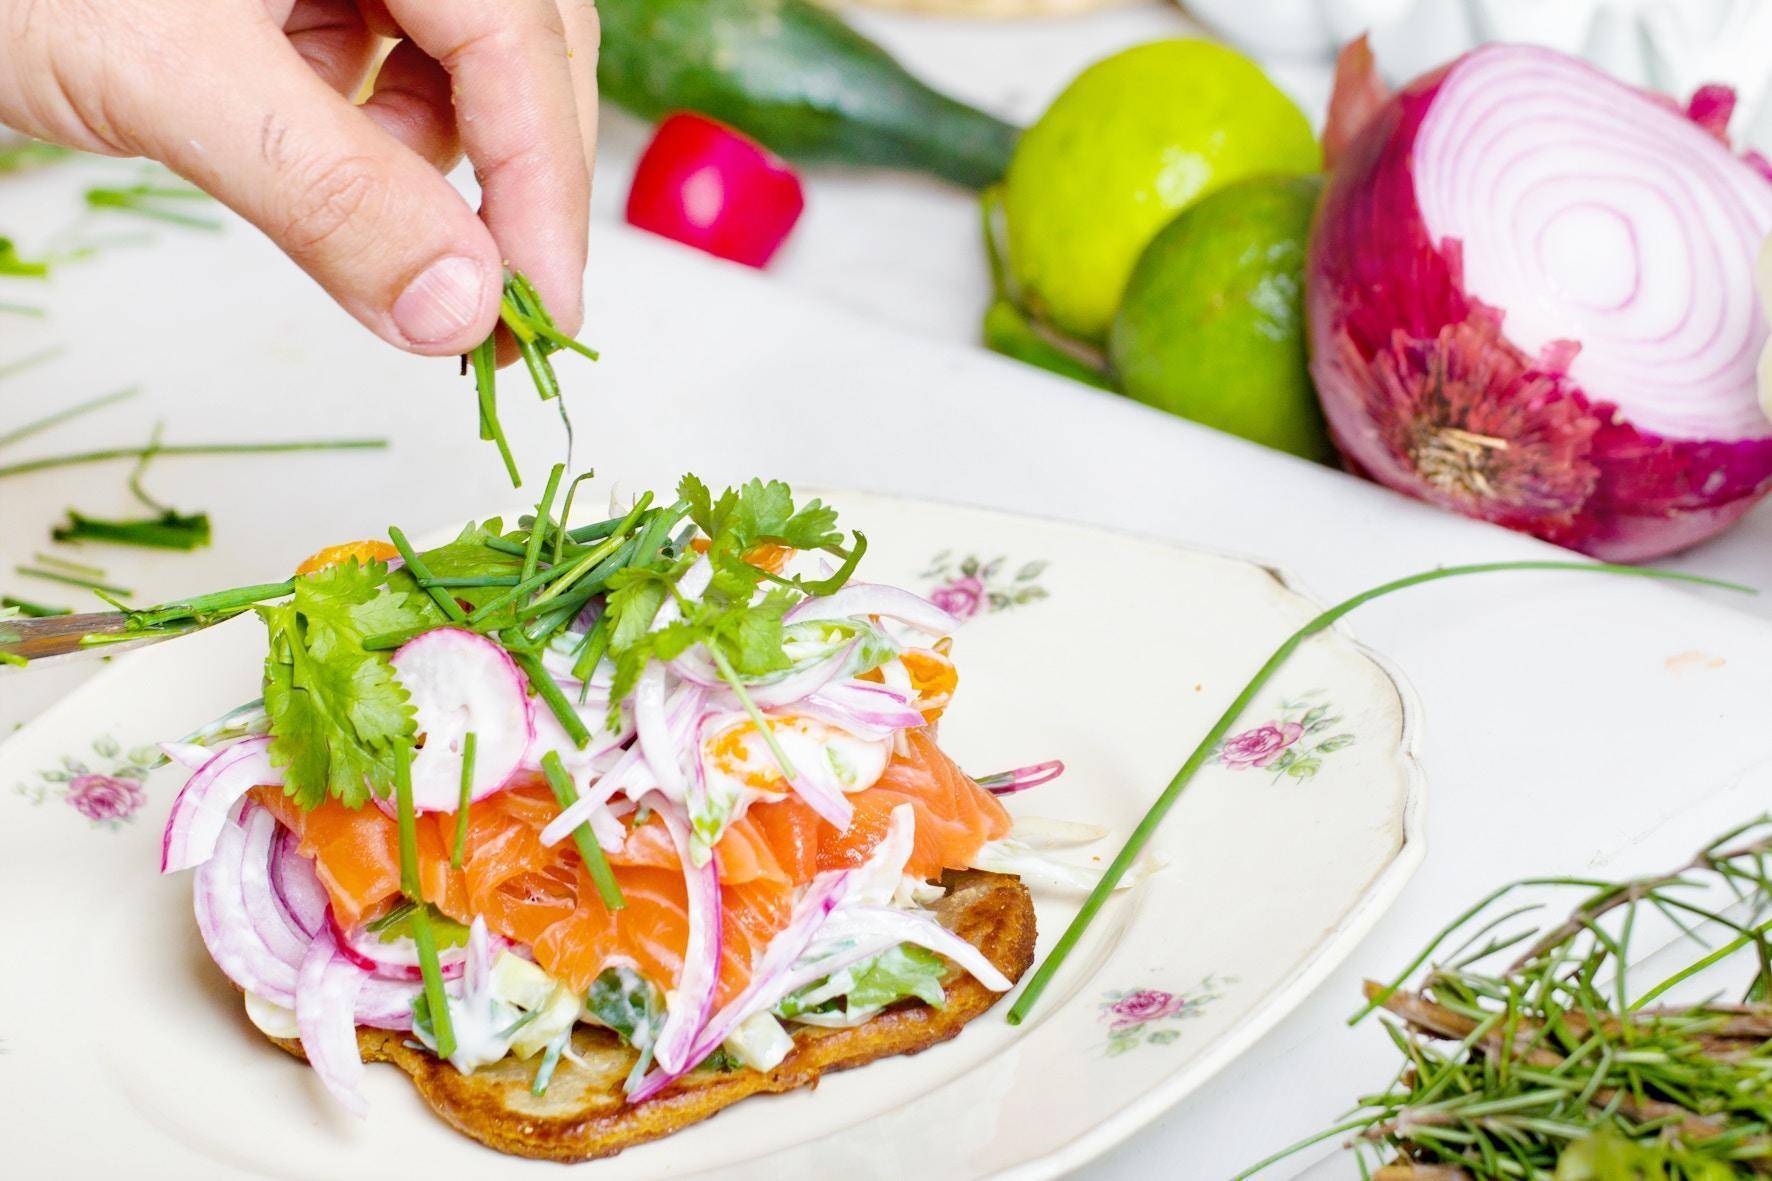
(249, 100)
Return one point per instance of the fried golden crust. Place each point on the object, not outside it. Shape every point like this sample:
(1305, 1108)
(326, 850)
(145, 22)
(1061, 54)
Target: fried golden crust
(583, 1115)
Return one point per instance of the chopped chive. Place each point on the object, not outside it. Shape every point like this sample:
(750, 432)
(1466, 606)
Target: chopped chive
(31, 153)
(410, 885)
(560, 537)
(550, 1060)
(420, 571)
(467, 791)
(14, 264)
(601, 529)
(58, 563)
(169, 530)
(549, 691)
(1141, 834)
(386, 641)
(497, 602)
(608, 889)
(30, 361)
(469, 580)
(31, 610)
(60, 416)
(485, 362)
(234, 599)
(55, 461)
(71, 580)
(591, 650)
(22, 309)
(138, 199)
(538, 530)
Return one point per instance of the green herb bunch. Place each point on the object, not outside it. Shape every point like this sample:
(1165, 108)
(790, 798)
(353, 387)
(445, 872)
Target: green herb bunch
(1573, 1052)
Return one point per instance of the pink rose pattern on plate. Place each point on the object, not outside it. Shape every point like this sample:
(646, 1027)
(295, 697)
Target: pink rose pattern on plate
(1287, 745)
(1147, 1016)
(969, 585)
(105, 786)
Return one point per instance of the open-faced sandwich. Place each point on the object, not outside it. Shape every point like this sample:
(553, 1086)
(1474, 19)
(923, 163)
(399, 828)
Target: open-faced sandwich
(596, 831)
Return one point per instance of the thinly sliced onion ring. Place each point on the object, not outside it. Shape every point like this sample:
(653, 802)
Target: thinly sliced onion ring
(200, 811)
(867, 598)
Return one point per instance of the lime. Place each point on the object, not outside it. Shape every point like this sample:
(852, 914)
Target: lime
(1212, 326)
(1132, 141)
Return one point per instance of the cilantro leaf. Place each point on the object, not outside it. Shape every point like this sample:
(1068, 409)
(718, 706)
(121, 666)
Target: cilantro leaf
(336, 709)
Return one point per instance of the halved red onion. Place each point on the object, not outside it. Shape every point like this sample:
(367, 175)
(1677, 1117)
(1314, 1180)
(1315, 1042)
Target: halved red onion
(866, 598)
(200, 811)
(1530, 300)
(692, 999)
(460, 683)
(326, 1014)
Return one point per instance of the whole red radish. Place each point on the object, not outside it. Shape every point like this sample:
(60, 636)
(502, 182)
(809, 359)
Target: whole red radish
(701, 183)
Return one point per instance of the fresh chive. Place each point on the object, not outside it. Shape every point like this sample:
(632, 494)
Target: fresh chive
(608, 889)
(60, 416)
(468, 580)
(140, 200)
(411, 886)
(31, 610)
(31, 153)
(29, 311)
(387, 641)
(591, 650)
(467, 793)
(560, 537)
(1142, 833)
(550, 1060)
(30, 361)
(549, 691)
(233, 599)
(185, 449)
(485, 362)
(598, 530)
(539, 579)
(17, 266)
(538, 530)
(71, 580)
(169, 530)
(420, 571)
(60, 563)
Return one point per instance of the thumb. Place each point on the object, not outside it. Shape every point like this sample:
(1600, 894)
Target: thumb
(379, 228)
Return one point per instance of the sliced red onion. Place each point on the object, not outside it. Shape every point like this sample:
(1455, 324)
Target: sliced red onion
(265, 911)
(1530, 300)
(200, 811)
(461, 682)
(1007, 783)
(297, 886)
(326, 1014)
(697, 669)
(867, 703)
(397, 961)
(236, 945)
(550, 736)
(690, 1002)
(189, 755)
(801, 682)
(873, 923)
(822, 895)
(657, 744)
(865, 598)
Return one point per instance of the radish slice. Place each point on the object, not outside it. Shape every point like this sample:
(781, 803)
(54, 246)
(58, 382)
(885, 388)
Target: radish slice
(460, 682)
(326, 1014)
(200, 812)
(866, 598)
(690, 1002)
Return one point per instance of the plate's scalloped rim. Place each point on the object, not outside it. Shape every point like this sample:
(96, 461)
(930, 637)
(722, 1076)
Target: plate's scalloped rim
(1356, 923)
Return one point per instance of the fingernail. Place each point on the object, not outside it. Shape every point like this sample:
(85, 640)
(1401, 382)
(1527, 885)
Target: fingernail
(441, 302)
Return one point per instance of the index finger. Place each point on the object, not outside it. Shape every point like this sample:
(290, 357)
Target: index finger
(518, 114)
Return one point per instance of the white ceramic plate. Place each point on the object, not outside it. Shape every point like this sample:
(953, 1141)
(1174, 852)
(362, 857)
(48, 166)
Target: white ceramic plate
(124, 1050)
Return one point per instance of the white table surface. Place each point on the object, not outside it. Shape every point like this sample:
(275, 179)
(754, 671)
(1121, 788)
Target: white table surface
(1567, 726)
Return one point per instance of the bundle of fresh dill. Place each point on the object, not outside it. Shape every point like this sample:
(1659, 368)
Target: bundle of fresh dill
(1632, 1040)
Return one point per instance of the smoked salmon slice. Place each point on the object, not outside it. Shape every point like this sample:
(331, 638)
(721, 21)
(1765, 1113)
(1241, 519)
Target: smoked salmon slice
(543, 898)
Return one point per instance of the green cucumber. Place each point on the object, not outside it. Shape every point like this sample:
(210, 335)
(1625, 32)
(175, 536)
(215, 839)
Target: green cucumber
(796, 78)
